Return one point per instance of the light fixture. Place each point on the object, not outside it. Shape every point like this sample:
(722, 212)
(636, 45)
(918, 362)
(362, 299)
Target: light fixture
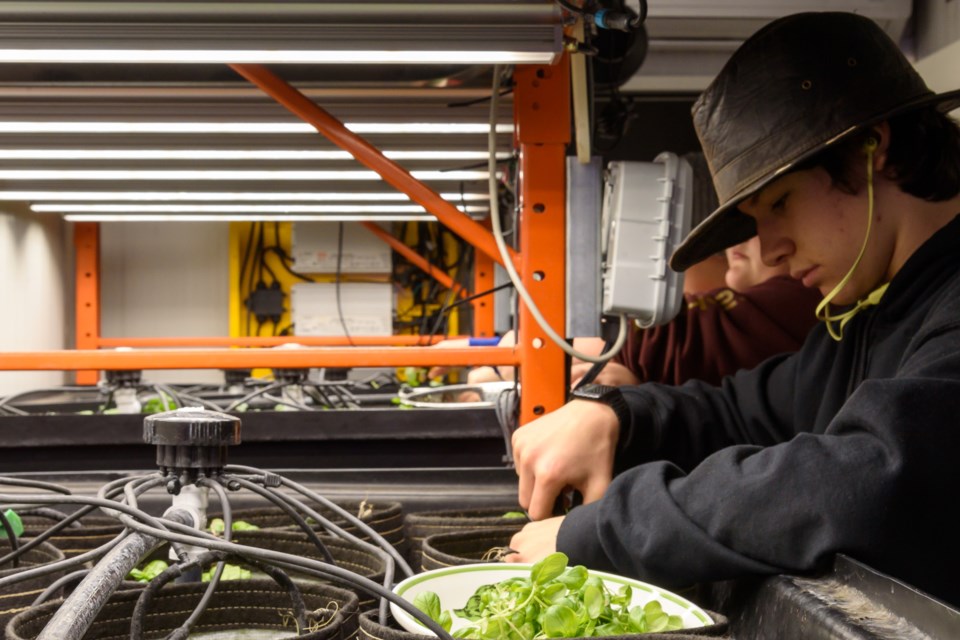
(218, 196)
(233, 208)
(226, 174)
(227, 154)
(432, 32)
(120, 217)
(255, 127)
(290, 56)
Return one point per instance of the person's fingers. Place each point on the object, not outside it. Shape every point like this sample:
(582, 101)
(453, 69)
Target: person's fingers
(543, 496)
(594, 488)
(437, 372)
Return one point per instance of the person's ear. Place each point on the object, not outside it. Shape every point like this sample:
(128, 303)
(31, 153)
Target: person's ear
(879, 142)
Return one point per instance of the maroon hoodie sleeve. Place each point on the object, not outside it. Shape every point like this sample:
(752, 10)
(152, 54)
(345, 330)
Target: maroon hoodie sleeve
(722, 331)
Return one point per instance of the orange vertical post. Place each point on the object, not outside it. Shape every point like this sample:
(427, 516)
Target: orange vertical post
(86, 240)
(542, 113)
(483, 306)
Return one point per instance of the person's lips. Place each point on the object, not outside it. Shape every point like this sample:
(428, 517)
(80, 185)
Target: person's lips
(805, 276)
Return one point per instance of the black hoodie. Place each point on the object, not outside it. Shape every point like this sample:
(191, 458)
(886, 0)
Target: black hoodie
(850, 446)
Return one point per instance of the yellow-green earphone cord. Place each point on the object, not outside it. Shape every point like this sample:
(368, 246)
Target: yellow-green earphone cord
(823, 309)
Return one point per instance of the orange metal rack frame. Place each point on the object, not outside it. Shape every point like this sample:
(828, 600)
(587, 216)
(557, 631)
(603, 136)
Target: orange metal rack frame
(542, 131)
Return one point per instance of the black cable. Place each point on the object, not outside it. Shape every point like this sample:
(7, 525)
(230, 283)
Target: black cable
(250, 396)
(174, 571)
(243, 270)
(333, 506)
(295, 563)
(339, 275)
(34, 484)
(280, 501)
(470, 103)
(62, 524)
(572, 8)
(597, 367)
(184, 630)
(56, 585)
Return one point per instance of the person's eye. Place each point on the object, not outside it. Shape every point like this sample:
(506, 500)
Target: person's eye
(780, 204)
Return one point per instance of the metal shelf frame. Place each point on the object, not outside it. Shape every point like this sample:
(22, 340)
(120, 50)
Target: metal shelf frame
(542, 133)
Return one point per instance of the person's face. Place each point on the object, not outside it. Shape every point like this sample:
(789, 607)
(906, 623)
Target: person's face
(746, 269)
(815, 230)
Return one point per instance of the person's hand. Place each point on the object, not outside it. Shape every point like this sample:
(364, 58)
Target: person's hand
(442, 370)
(535, 541)
(613, 373)
(572, 447)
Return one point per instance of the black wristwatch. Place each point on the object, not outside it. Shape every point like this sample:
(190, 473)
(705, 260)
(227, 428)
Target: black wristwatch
(608, 395)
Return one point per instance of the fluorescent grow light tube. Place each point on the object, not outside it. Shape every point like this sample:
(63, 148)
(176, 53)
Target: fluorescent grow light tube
(91, 126)
(241, 56)
(93, 217)
(226, 154)
(217, 196)
(230, 208)
(211, 174)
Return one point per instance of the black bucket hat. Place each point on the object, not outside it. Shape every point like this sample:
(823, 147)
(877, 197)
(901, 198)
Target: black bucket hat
(800, 84)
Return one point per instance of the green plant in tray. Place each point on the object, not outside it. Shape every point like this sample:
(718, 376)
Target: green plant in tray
(556, 601)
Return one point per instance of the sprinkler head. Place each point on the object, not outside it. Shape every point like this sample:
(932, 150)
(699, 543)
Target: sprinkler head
(191, 442)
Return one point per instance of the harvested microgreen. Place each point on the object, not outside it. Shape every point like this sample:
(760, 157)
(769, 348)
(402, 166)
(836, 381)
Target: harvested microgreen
(149, 571)
(556, 601)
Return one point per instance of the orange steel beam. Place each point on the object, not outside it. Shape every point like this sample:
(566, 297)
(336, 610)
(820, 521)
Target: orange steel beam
(86, 240)
(483, 307)
(542, 113)
(76, 360)
(369, 156)
(415, 258)
(253, 341)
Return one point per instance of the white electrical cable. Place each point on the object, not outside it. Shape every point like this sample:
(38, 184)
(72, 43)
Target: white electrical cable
(508, 262)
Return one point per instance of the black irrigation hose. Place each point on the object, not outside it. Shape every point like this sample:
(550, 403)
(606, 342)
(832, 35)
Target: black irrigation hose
(68, 563)
(34, 484)
(278, 576)
(12, 537)
(218, 572)
(75, 576)
(389, 562)
(329, 504)
(289, 561)
(250, 396)
(69, 521)
(49, 514)
(72, 620)
(290, 511)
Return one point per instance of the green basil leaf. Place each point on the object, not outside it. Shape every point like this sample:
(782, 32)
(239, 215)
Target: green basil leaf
(560, 622)
(548, 568)
(574, 577)
(593, 600)
(429, 603)
(445, 621)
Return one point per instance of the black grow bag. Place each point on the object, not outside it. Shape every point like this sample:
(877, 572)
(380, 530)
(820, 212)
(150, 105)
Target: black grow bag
(385, 518)
(422, 524)
(259, 606)
(466, 547)
(18, 596)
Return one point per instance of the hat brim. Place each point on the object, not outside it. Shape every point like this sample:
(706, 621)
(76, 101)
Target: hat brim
(728, 226)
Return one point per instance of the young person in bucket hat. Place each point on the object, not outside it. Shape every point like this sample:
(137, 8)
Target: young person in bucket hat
(824, 142)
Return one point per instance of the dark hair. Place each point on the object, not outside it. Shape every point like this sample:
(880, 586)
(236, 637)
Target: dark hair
(924, 155)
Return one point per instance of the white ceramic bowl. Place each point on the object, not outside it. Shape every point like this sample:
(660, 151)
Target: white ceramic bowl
(455, 585)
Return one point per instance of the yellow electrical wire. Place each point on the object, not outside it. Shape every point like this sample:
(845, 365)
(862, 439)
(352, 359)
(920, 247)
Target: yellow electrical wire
(823, 309)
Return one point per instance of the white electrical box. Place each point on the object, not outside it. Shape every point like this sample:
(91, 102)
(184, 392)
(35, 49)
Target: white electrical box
(367, 308)
(315, 249)
(645, 215)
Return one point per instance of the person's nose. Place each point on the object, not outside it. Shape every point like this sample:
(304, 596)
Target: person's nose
(775, 247)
